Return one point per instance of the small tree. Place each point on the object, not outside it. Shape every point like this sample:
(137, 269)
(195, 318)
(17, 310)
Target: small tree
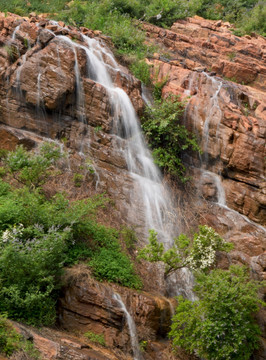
(220, 325)
(198, 253)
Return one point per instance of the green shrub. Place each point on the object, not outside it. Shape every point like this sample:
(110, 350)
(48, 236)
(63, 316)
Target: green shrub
(31, 261)
(78, 179)
(39, 236)
(11, 341)
(96, 338)
(253, 20)
(220, 325)
(129, 237)
(167, 137)
(32, 169)
(142, 71)
(9, 338)
(114, 266)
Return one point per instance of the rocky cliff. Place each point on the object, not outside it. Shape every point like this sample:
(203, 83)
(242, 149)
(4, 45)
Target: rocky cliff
(210, 68)
(49, 89)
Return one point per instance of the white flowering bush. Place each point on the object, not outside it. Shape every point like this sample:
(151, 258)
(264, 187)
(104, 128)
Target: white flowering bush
(31, 261)
(198, 253)
(204, 247)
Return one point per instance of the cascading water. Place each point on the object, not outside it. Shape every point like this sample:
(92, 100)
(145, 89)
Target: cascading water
(131, 327)
(213, 117)
(130, 139)
(147, 185)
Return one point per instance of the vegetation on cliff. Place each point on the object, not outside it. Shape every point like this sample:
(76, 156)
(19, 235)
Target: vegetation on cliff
(12, 342)
(117, 18)
(39, 236)
(168, 138)
(220, 324)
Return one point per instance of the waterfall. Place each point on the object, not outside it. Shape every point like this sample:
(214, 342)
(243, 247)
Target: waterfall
(129, 138)
(151, 204)
(131, 327)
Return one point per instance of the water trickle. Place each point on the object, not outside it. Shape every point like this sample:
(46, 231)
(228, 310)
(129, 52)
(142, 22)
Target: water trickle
(79, 84)
(131, 328)
(18, 74)
(146, 95)
(214, 111)
(39, 89)
(218, 184)
(15, 32)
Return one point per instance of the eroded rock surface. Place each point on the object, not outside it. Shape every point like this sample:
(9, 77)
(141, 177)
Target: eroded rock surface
(228, 117)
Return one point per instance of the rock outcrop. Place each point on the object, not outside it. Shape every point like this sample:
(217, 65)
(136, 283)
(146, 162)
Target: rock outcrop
(228, 117)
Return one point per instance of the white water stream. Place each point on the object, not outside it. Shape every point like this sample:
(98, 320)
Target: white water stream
(131, 327)
(152, 194)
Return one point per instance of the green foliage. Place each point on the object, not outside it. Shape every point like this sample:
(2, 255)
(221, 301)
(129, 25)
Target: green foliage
(167, 137)
(229, 10)
(142, 71)
(129, 237)
(9, 338)
(169, 11)
(22, 7)
(32, 169)
(113, 265)
(220, 325)
(78, 179)
(3, 153)
(11, 341)
(231, 56)
(39, 236)
(31, 261)
(196, 254)
(158, 86)
(12, 52)
(96, 338)
(2, 171)
(253, 20)
(143, 345)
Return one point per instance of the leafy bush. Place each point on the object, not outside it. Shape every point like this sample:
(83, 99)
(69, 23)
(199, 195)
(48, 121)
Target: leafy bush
(129, 237)
(9, 338)
(142, 71)
(196, 254)
(253, 20)
(31, 262)
(220, 325)
(32, 169)
(11, 341)
(167, 137)
(114, 266)
(78, 179)
(96, 338)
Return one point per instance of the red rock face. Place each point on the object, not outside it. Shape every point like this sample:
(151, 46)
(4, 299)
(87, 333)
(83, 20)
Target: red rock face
(223, 80)
(229, 118)
(39, 94)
